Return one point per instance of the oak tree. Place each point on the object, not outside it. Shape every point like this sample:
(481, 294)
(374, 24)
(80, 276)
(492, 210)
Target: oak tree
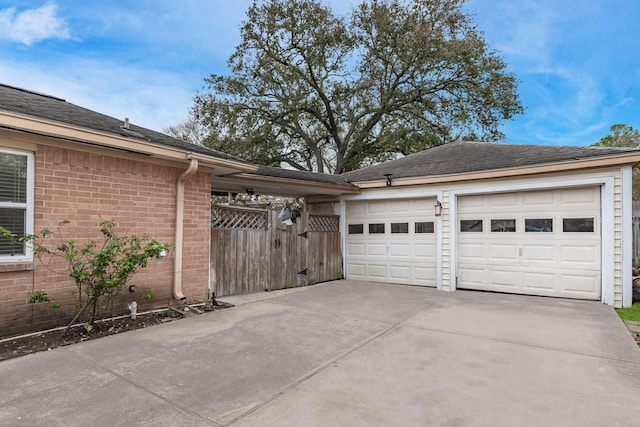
(328, 93)
(624, 136)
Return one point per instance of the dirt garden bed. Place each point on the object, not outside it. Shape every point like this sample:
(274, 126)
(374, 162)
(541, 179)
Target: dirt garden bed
(48, 340)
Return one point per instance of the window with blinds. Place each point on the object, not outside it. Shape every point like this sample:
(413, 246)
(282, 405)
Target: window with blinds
(13, 200)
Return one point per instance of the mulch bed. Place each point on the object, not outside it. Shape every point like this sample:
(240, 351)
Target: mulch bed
(21, 346)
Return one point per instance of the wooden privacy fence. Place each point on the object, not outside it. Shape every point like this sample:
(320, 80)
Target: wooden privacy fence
(252, 250)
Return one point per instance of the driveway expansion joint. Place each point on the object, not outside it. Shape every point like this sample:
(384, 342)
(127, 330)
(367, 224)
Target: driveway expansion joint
(542, 347)
(323, 366)
(178, 406)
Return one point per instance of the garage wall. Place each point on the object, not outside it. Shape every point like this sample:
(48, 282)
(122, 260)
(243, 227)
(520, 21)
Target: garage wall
(445, 190)
(618, 275)
(551, 179)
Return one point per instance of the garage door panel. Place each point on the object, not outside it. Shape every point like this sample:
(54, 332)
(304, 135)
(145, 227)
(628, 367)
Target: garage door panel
(538, 198)
(548, 262)
(502, 276)
(402, 206)
(541, 253)
(472, 276)
(355, 249)
(355, 209)
(503, 200)
(406, 256)
(425, 274)
(427, 251)
(356, 270)
(580, 283)
(400, 250)
(399, 272)
(581, 254)
(534, 281)
(472, 252)
(502, 252)
(376, 270)
(579, 197)
(376, 207)
(470, 203)
(377, 249)
(424, 207)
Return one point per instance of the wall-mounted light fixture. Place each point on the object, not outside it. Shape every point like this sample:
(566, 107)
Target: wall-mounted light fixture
(438, 208)
(388, 175)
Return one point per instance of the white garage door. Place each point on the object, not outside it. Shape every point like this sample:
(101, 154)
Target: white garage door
(537, 243)
(392, 241)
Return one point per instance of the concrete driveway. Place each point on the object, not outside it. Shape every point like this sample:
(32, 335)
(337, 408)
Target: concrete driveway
(344, 353)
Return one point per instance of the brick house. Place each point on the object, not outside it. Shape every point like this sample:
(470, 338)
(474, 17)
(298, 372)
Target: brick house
(533, 220)
(59, 161)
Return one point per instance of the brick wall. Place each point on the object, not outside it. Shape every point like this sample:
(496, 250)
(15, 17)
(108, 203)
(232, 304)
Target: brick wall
(139, 197)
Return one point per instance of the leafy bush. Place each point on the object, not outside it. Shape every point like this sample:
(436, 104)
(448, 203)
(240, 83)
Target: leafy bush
(100, 269)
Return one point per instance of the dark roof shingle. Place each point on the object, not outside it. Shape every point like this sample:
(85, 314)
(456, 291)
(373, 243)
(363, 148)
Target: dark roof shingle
(466, 157)
(29, 103)
(302, 175)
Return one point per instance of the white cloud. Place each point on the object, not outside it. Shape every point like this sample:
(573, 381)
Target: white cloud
(151, 98)
(32, 25)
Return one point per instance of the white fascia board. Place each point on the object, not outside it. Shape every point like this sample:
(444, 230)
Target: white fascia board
(627, 236)
(389, 193)
(342, 211)
(607, 229)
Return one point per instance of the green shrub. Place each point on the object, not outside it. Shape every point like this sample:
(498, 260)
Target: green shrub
(100, 269)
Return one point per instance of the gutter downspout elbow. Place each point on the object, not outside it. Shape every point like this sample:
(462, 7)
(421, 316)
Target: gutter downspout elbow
(177, 262)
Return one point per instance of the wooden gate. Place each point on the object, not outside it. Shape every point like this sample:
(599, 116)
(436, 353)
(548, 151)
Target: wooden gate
(252, 250)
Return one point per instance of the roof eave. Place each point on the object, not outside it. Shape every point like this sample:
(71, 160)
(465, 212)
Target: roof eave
(53, 129)
(346, 187)
(280, 186)
(628, 158)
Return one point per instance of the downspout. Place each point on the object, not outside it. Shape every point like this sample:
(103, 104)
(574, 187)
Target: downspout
(177, 262)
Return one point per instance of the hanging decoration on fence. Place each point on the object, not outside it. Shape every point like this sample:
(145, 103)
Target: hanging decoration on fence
(288, 215)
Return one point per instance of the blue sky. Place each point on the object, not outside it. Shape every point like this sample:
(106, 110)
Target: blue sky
(578, 61)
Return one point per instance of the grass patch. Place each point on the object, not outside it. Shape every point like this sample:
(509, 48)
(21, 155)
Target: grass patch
(630, 313)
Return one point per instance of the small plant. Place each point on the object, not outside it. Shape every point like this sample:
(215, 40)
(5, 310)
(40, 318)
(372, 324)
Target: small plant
(100, 270)
(38, 296)
(149, 294)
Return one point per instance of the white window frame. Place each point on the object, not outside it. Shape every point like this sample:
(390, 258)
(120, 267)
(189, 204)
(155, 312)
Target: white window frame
(28, 206)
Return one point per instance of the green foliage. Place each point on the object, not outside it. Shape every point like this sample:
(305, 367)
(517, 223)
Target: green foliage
(99, 269)
(621, 136)
(149, 294)
(38, 296)
(334, 93)
(624, 136)
(630, 313)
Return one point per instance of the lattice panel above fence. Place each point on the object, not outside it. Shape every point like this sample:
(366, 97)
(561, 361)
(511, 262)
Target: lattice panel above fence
(234, 218)
(326, 223)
